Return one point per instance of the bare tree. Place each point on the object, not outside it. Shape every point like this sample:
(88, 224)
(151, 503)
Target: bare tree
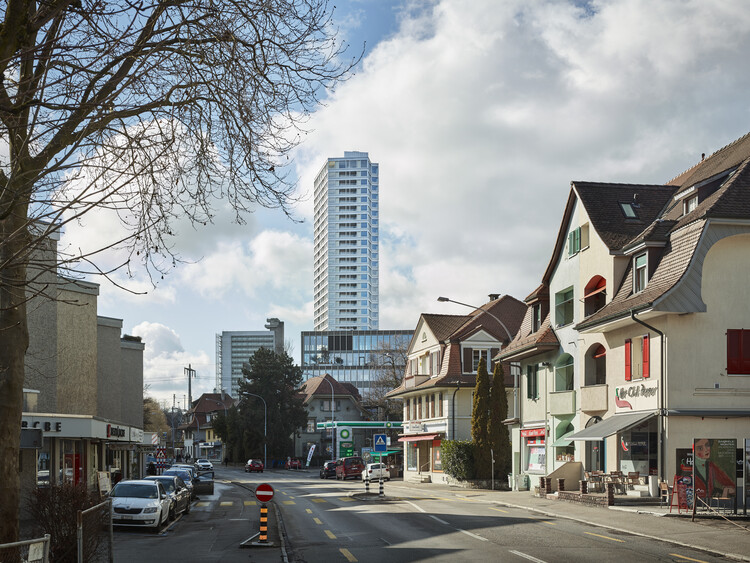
(388, 373)
(152, 112)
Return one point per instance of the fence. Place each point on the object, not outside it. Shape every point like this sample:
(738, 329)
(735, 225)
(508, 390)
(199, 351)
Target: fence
(95, 539)
(28, 551)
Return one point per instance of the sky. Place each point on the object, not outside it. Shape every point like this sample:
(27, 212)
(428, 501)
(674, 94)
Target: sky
(480, 114)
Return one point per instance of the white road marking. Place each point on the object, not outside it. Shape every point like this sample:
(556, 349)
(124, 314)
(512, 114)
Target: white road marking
(529, 557)
(438, 519)
(476, 537)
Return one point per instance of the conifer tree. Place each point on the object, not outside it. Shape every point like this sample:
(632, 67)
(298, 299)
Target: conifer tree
(497, 431)
(480, 423)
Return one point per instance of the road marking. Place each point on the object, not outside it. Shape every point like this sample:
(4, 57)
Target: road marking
(346, 553)
(438, 519)
(547, 522)
(226, 503)
(476, 537)
(283, 493)
(319, 500)
(415, 506)
(346, 499)
(309, 511)
(605, 537)
(287, 502)
(329, 533)
(687, 558)
(317, 521)
(249, 503)
(529, 557)
(500, 510)
(201, 504)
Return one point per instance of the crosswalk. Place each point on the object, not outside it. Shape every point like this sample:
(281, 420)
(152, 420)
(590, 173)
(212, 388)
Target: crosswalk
(210, 504)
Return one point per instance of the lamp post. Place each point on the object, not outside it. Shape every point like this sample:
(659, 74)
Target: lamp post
(502, 324)
(333, 426)
(265, 427)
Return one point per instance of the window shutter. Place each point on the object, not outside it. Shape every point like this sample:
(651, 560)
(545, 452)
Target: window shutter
(646, 354)
(628, 373)
(570, 243)
(745, 350)
(529, 394)
(468, 360)
(493, 352)
(734, 351)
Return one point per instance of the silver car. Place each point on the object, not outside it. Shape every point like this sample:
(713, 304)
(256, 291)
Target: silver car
(140, 503)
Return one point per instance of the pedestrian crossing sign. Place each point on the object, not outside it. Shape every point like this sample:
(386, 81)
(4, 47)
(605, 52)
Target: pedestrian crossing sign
(380, 443)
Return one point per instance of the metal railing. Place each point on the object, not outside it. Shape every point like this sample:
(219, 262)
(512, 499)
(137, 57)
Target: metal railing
(28, 551)
(95, 537)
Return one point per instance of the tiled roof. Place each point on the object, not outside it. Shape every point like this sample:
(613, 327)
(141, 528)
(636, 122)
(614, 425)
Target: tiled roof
(212, 402)
(317, 386)
(525, 340)
(442, 326)
(508, 309)
(725, 158)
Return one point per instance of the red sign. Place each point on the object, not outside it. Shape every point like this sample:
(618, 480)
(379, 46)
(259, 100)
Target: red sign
(532, 432)
(264, 492)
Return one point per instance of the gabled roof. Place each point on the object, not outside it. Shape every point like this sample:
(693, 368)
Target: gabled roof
(442, 326)
(317, 386)
(527, 343)
(725, 158)
(212, 402)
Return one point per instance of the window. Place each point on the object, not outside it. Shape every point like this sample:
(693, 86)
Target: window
(629, 210)
(640, 272)
(532, 382)
(564, 307)
(578, 239)
(594, 295)
(475, 357)
(536, 317)
(637, 358)
(407, 411)
(689, 204)
(564, 373)
(738, 352)
(311, 425)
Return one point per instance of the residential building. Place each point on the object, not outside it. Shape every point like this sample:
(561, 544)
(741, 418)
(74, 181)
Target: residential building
(346, 243)
(358, 357)
(234, 348)
(646, 291)
(440, 378)
(200, 437)
(319, 393)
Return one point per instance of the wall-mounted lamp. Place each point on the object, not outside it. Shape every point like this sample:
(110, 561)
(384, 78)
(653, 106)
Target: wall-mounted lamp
(546, 364)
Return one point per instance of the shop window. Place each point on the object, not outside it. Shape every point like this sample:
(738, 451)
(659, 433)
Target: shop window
(536, 460)
(564, 307)
(637, 358)
(437, 460)
(564, 373)
(411, 456)
(738, 352)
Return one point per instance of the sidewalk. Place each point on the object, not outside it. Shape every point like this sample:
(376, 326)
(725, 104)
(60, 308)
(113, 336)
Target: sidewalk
(712, 534)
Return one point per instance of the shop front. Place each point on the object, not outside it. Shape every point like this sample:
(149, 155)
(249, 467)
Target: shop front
(422, 454)
(534, 454)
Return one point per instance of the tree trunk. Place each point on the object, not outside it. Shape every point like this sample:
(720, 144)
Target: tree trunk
(14, 328)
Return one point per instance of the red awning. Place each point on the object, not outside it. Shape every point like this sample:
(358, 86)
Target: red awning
(417, 438)
(596, 285)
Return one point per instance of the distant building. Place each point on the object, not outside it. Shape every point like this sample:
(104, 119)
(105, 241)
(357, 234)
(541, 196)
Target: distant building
(356, 357)
(345, 286)
(233, 348)
(201, 440)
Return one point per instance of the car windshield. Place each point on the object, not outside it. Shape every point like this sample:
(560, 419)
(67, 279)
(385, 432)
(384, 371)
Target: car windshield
(168, 484)
(184, 475)
(135, 490)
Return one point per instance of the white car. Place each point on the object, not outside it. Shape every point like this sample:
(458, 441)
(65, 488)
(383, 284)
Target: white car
(140, 503)
(374, 471)
(204, 465)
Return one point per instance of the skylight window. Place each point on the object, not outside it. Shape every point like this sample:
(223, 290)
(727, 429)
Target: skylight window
(629, 210)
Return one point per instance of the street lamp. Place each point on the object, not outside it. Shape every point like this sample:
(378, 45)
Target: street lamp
(333, 426)
(265, 427)
(502, 324)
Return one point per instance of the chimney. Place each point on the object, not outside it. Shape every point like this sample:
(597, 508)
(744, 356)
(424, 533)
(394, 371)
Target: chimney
(703, 157)
(494, 296)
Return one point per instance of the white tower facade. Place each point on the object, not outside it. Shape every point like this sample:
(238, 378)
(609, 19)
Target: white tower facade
(346, 264)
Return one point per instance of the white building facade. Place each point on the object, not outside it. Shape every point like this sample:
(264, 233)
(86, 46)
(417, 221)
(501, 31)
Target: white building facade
(346, 264)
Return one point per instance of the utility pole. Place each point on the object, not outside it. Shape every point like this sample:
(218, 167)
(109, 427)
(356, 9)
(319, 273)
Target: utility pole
(190, 372)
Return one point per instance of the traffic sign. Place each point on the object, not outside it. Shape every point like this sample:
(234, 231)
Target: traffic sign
(379, 443)
(264, 492)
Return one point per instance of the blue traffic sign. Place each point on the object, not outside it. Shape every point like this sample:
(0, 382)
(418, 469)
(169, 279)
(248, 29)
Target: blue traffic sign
(379, 443)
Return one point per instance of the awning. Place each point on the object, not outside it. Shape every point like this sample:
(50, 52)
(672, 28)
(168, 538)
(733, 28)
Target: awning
(417, 438)
(610, 426)
(563, 440)
(389, 452)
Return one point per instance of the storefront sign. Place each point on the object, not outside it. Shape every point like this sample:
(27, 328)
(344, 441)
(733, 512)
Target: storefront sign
(533, 432)
(115, 431)
(44, 425)
(637, 396)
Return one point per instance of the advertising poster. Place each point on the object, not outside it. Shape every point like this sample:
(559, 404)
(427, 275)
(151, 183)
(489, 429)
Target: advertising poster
(683, 479)
(715, 468)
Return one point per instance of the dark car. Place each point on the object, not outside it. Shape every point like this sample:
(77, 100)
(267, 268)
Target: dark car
(349, 467)
(254, 465)
(187, 478)
(328, 470)
(178, 493)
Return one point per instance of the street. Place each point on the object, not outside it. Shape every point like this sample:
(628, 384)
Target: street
(329, 521)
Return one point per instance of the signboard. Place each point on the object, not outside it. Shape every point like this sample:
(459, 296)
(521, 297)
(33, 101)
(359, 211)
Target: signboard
(380, 445)
(161, 457)
(309, 455)
(105, 483)
(715, 468)
(346, 449)
(264, 492)
(640, 395)
(532, 432)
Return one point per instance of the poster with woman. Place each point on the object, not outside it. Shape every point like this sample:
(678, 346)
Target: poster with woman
(715, 468)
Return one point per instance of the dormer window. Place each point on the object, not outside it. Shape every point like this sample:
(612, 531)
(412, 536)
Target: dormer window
(640, 272)
(689, 204)
(536, 317)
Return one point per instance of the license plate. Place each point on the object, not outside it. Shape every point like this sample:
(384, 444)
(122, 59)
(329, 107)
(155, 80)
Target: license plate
(126, 517)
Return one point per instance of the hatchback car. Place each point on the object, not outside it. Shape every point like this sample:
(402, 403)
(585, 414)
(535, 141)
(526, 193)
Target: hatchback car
(178, 493)
(328, 470)
(204, 465)
(254, 465)
(293, 464)
(374, 472)
(349, 467)
(140, 503)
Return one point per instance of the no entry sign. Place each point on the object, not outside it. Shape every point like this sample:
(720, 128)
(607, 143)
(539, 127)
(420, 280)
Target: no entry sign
(264, 492)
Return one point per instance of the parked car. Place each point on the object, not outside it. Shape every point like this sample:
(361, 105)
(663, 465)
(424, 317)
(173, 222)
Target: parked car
(349, 467)
(204, 465)
(254, 465)
(186, 476)
(140, 503)
(328, 470)
(178, 492)
(293, 464)
(189, 468)
(374, 471)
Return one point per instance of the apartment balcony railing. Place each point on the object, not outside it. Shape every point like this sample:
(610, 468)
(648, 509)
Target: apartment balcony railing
(562, 403)
(594, 398)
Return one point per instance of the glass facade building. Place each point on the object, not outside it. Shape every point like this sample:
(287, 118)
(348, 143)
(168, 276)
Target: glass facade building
(346, 240)
(354, 357)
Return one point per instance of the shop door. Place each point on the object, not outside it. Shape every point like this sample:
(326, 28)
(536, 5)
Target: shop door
(424, 456)
(595, 456)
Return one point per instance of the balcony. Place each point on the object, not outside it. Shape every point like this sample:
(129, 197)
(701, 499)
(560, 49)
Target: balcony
(562, 403)
(594, 398)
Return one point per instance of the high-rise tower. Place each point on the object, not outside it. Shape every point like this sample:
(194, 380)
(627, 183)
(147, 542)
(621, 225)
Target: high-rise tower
(346, 244)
